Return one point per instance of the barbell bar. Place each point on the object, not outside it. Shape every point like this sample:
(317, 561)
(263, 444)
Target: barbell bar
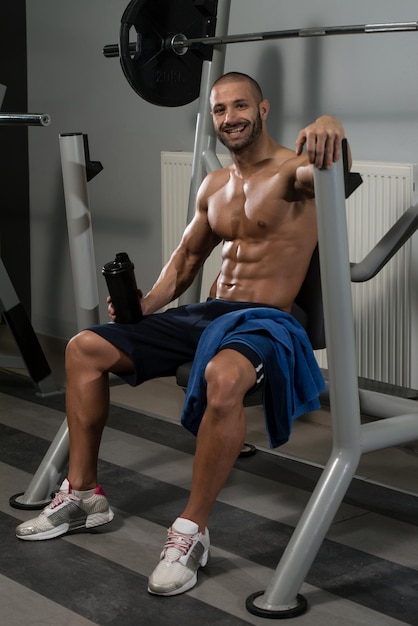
(24, 119)
(178, 43)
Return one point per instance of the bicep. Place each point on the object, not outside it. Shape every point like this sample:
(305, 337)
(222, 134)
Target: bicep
(198, 239)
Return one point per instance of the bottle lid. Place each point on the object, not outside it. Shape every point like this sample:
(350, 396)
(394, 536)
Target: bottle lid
(122, 257)
(121, 262)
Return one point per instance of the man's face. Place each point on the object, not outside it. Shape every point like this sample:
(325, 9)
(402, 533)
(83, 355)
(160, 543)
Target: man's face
(236, 114)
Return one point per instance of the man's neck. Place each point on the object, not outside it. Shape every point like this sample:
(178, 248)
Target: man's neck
(246, 160)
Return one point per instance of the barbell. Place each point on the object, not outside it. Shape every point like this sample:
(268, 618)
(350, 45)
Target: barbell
(24, 119)
(173, 38)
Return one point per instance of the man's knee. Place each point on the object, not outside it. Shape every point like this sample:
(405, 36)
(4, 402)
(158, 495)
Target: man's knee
(229, 375)
(88, 350)
(81, 344)
(79, 349)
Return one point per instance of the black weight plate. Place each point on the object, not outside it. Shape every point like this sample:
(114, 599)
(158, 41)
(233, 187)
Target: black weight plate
(156, 72)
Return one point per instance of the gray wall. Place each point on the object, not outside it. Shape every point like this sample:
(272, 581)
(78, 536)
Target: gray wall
(369, 81)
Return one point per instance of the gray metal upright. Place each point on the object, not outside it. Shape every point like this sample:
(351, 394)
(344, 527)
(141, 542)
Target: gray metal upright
(281, 596)
(204, 157)
(45, 480)
(350, 438)
(80, 235)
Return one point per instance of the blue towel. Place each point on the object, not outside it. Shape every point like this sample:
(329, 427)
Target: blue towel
(293, 380)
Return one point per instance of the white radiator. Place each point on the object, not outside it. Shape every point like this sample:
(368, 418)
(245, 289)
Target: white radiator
(386, 307)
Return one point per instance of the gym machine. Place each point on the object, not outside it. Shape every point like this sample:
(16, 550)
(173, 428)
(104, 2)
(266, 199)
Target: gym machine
(32, 357)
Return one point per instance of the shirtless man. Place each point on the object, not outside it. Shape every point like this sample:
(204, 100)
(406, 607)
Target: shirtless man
(262, 209)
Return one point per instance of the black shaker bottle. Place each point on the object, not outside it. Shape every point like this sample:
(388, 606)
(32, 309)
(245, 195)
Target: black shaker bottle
(121, 283)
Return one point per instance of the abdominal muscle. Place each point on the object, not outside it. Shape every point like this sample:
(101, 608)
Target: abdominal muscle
(264, 272)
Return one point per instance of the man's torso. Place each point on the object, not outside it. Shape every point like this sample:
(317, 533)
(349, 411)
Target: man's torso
(268, 229)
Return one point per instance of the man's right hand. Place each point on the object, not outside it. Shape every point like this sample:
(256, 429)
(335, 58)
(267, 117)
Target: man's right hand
(323, 140)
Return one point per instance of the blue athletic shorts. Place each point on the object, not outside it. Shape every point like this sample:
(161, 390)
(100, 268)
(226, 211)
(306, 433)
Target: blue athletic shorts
(158, 344)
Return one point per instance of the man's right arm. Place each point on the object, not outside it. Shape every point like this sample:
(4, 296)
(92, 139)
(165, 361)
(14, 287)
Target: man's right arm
(177, 275)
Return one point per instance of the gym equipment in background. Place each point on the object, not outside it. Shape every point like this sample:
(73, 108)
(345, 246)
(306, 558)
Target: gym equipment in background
(172, 39)
(25, 119)
(32, 357)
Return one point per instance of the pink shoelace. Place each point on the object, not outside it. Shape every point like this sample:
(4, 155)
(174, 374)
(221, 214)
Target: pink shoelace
(60, 498)
(177, 545)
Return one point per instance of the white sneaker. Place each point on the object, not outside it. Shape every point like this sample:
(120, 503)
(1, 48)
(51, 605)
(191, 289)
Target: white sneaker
(67, 512)
(182, 555)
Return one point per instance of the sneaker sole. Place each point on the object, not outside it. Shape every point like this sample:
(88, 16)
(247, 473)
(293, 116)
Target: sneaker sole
(190, 583)
(96, 519)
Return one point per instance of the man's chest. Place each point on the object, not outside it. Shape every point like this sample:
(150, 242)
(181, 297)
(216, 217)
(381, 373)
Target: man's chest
(251, 208)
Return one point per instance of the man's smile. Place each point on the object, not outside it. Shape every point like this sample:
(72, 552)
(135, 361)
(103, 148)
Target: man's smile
(234, 130)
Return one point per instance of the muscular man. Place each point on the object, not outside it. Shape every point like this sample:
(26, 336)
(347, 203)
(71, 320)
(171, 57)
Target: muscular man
(262, 210)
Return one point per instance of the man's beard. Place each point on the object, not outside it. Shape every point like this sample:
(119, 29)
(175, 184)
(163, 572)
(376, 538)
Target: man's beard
(246, 141)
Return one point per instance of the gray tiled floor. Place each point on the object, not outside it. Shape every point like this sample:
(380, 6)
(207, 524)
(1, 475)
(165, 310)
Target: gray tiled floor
(371, 541)
(311, 438)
